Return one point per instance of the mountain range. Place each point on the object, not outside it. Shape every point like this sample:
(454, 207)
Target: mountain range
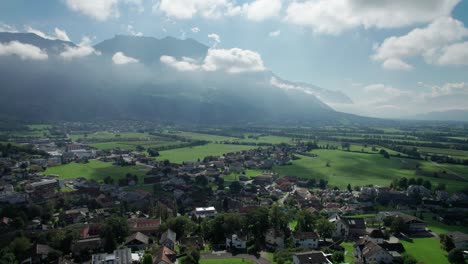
(94, 88)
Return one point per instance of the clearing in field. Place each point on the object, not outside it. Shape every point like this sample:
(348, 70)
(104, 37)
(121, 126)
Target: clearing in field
(96, 170)
(426, 250)
(362, 169)
(199, 152)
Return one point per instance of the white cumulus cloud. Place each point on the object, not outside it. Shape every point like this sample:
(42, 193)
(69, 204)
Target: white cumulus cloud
(131, 30)
(24, 51)
(335, 16)
(195, 29)
(120, 58)
(216, 39)
(259, 10)
(435, 43)
(100, 10)
(186, 9)
(83, 49)
(233, 60)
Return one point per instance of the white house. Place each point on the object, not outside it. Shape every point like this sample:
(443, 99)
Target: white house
(203, 212)
(236, 241)
(306, 240)
(370, 252)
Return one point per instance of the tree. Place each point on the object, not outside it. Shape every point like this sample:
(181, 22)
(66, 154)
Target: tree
(147, 259)
(349, 188)
(427, 184)
(114, 231)
(278, 218)
(18, 223)
(447, 243)
(397, 225)
(7, 256)
(201, 180)
(20, 246)
(323, 184)
(235, 187)
(403, 183)
(139, 148)
(325, 228)
(337, 257)
(440, 186)
(153, 152)
(257, 223)
(455, 256)
(181, 225)
(408, 259)
(305, 221)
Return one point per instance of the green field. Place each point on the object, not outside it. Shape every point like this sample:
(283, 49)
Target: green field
(451, 152)
(199, 152)
(200, 136)
(426, 250)
(131, 145)
(226, 261)
(360, 169)
(96, 170)
(103, 135)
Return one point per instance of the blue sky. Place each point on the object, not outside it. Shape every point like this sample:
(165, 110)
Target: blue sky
(335, 44)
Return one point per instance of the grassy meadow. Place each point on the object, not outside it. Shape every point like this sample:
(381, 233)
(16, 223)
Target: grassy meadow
(426, 250)
(96, 170)
(199, 152)
(362, 169)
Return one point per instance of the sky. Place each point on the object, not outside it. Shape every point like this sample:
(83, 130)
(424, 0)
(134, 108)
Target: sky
(393, 58)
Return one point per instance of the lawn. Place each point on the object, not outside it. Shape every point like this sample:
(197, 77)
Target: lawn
(359, 169)
(452, 152)
(226, 261)
(349, 248)
(199, 152)
(250, 173)
(96, 170)
(441, 228)
(426, 250)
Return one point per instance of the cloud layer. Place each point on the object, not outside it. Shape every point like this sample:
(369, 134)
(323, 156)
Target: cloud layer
(24, 51)
(225, 60)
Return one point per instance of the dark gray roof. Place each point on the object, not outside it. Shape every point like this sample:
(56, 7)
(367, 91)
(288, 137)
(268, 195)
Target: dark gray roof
(312, 258)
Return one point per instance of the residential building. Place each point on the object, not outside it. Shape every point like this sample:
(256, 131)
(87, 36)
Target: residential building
(311, 258)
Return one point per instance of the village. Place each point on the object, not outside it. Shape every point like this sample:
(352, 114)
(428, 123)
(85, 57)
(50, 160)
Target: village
(209, 209)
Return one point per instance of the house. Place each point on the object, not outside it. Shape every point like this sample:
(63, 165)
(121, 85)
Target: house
(274, 239)
(412, 223)
(168, 239)
(164, 255)
(39, 254)
(195, 242)
(137, 241)
(264, 179)
(311, 258)
(377, 236)
(42, 189)
(460, 240)
(144, 225)
(202, 212)
(119, 256)
(237, 242)
(86, 245)
(367, 251)
(306, 239)
(346, 227)
(74, 216)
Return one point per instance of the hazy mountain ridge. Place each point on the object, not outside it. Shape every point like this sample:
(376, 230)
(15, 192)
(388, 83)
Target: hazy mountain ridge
(94, 88)
(449, 115)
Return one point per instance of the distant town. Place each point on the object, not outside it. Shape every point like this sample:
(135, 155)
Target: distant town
(67, 199)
